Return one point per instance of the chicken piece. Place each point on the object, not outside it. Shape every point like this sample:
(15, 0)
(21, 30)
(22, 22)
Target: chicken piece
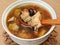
(28, 19)
(36, 20)
(24, 34)
(17, 12)
(11, 19)
(25, 15)
(13, 27)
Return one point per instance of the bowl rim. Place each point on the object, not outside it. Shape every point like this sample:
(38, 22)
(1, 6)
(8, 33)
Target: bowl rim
(17, 2)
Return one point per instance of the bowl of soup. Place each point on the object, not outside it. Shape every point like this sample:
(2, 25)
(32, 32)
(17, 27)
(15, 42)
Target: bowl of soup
(22, 21)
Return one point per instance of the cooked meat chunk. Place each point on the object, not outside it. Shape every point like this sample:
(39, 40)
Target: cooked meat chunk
(17, 12)
(25, 15)
(13, 27)
(42, 32)
(11, 19)
(36, 19)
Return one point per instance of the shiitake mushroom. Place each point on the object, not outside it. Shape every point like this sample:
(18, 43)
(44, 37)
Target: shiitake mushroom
(31, 11)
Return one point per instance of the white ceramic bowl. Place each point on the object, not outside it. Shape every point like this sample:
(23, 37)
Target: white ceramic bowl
(21, 41)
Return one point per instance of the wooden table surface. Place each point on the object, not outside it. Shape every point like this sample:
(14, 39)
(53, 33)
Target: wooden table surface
(54, 3)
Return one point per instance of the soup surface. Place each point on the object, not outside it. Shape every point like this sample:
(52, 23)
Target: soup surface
(28, 15)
